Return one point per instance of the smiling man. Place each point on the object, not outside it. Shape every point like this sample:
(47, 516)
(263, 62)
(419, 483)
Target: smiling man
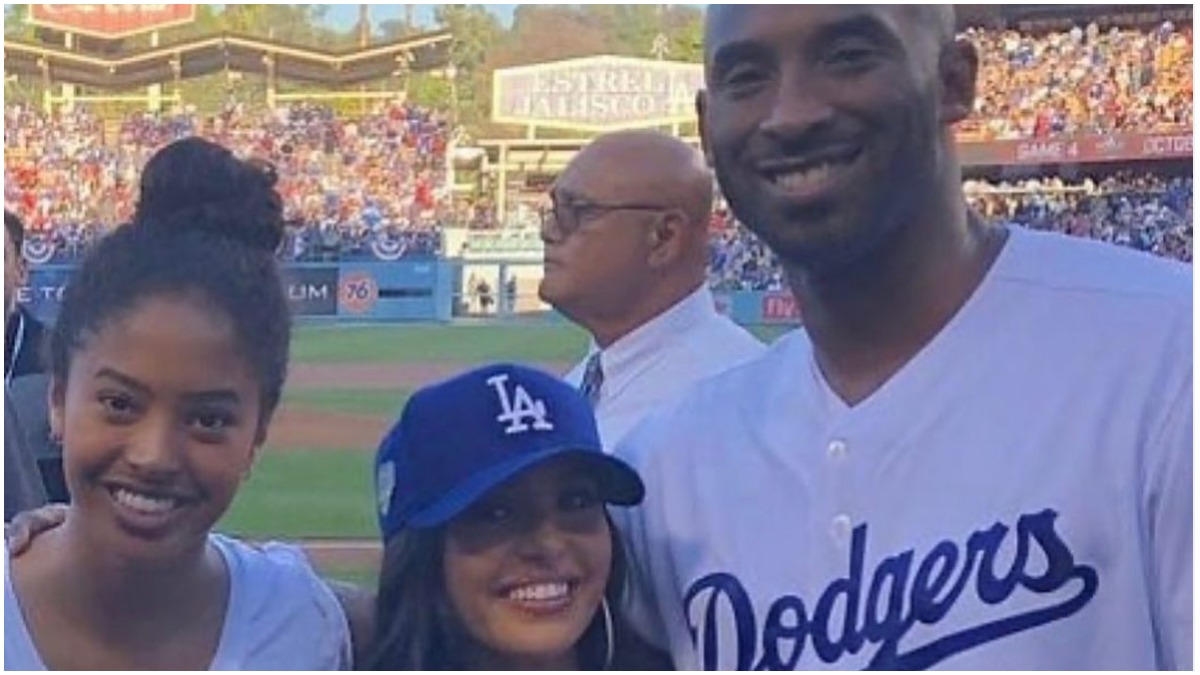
(977, 452)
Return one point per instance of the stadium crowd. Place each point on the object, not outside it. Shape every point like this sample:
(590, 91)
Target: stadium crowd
(1144, 212)
(345, 182)
(377, 185)
(1082, 81)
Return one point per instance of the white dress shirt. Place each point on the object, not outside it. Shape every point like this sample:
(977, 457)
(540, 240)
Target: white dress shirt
(659, 360)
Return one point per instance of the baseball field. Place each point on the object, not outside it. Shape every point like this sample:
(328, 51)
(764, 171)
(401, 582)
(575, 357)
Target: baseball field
(313, 481)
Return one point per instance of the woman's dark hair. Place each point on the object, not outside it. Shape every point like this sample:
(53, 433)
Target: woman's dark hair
(416, 627)
(221, 251)
(195, 173)
(14, 229)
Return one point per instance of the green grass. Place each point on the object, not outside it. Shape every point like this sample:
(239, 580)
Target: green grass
(466, 344)
(364, 576)
(422, 343)
(305, 493)
(374, 402)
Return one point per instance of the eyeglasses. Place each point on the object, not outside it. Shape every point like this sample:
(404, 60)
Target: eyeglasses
(568, 217)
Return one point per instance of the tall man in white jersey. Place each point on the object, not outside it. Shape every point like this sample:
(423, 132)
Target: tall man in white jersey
(976, 454)
(626, 259)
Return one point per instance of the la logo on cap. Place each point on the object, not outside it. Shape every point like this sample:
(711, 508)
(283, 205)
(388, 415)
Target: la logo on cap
(519, 409)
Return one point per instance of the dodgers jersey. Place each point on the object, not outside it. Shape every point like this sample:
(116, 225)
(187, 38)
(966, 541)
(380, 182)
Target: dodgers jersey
(1017, 496)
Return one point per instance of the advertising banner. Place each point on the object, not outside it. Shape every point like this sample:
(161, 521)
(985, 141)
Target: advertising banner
(1078, 149)
(312, 291)
(44, 290)
(779, 307)
(110, 21)
(597, 93)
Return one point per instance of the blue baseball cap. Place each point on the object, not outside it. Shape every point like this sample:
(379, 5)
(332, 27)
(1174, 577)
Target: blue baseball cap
(459, 439)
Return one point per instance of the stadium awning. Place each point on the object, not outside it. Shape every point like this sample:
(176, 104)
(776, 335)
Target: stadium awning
(240, 53)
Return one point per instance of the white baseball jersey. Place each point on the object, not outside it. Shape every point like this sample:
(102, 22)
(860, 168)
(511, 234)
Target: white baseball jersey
(1018, 496)
(280, 615)
(659, 360)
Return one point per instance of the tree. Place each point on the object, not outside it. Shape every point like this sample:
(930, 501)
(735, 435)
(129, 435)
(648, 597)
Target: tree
(393, 29)
(20, 89)
(297, 24)
(634, 28)
(431, 91)
(684, 28)
(539, 34)
(476, 33)
(16, 22)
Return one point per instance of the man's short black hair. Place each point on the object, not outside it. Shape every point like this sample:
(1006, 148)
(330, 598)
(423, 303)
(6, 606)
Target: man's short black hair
(15, 229)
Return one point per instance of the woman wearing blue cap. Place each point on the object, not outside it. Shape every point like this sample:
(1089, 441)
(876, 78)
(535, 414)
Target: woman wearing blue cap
(499, 552)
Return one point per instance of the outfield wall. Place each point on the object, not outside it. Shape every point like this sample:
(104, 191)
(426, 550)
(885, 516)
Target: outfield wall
(429, 290)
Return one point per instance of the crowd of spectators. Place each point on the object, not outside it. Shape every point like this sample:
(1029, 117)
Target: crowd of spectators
(375, 185)
(372, 182)
(738, 260)
(1082, 81)
(330, 242)
(1143, 212)
(58, 175)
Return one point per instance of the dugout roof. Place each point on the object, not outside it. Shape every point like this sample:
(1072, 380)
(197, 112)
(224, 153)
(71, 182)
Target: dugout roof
(214, 53)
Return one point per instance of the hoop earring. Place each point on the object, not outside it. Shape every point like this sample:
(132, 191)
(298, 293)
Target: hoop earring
(610, 637)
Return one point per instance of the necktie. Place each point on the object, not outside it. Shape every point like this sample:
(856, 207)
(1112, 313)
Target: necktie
(593, 379)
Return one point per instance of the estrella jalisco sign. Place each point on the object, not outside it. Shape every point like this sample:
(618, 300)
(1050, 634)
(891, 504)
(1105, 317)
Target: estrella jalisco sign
(597, 93)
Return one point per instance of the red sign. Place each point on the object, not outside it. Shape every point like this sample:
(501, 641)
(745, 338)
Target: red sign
(1038, 152)
(1078, 149)
(358, 293)
(779, 307)
(1166, 146)
(110, 21)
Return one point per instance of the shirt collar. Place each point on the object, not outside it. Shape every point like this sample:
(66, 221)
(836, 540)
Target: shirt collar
(638, 348)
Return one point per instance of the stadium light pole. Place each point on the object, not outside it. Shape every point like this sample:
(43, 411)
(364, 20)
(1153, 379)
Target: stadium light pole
(661, 45)
(364, 25)
(364, 39)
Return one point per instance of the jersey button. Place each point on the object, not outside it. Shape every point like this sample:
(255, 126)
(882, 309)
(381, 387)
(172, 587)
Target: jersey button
(837, 450)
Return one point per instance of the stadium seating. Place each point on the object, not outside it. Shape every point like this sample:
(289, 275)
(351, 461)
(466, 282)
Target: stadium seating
(376, 185)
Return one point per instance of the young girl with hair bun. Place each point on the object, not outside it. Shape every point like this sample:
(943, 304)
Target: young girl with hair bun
(167, 362)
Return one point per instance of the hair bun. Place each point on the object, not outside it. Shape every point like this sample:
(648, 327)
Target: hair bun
(254, 223)
(198, 186)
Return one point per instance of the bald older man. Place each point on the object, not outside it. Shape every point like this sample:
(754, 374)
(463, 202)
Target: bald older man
(626, 259)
